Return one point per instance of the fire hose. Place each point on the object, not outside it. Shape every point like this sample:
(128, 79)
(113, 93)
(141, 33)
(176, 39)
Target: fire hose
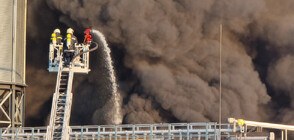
(90, 50)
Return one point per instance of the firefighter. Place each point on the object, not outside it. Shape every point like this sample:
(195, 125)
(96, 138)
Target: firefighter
(71, 40)
(88, 37)
(56, 37)
(56, 41)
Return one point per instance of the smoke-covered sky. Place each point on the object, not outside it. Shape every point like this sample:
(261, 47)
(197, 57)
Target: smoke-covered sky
(166, 58)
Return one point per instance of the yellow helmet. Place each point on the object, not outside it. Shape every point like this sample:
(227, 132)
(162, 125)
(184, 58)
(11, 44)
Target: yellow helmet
(57, 31)
(69, 31)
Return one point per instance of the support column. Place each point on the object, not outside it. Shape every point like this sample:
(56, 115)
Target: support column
(11, 106)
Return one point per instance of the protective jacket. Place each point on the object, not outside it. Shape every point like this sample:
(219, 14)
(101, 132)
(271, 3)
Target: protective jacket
(53, 38)
(88, 38)
(56, 38)
(71, 40)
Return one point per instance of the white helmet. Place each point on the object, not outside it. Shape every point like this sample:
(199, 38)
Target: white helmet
(69, 31)
(57, 31)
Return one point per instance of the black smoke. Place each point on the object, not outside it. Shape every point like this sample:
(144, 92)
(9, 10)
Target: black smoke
(166, 58)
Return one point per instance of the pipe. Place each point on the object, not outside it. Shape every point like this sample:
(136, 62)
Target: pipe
(286, 135)
(261, 124)
(270, 125)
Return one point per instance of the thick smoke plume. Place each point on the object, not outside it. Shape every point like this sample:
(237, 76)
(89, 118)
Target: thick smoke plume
(167, 58)
(172, 48)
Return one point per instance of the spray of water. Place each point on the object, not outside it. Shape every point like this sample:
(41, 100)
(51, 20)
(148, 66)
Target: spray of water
(116, 109)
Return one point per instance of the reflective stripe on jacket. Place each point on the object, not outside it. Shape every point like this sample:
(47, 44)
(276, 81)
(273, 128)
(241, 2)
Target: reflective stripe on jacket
(53, 36)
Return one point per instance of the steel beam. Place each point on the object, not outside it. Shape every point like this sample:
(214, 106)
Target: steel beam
(11, 106)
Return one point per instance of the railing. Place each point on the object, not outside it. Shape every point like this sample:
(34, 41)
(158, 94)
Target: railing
(54, 55)
(23, 133)
(181, 131)
(151, 131)
(81, 65)
(187, 131)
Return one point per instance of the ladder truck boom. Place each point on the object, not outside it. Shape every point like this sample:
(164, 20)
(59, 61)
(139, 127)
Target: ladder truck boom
(62, 98)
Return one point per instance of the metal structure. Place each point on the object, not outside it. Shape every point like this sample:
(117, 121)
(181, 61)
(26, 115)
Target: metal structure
(235, 130)
(244, 125)
(12, 62)
(174, 131)
(62, 98)
(61, 105)
(207, 131)
(12, 105)
(79, 65)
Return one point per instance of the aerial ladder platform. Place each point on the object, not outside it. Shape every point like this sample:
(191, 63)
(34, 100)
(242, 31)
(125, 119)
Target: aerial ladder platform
(62, 98)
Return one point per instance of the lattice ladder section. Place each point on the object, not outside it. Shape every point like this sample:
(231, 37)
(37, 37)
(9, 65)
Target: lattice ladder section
(61, 106)
(60, 109)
